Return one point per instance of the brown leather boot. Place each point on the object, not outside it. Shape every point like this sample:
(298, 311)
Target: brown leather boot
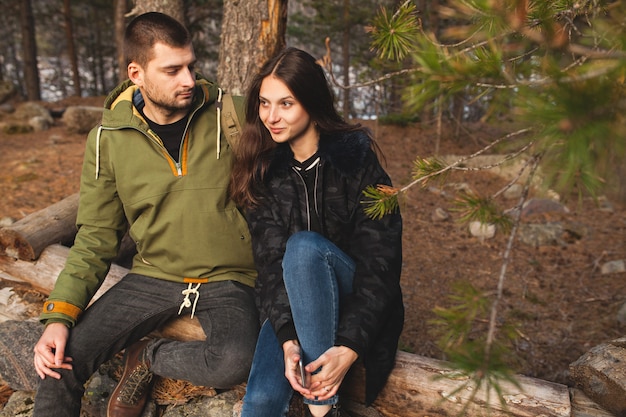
(129, 397)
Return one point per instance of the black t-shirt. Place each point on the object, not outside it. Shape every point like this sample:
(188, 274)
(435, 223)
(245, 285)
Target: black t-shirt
(309, 170)
(171, 135)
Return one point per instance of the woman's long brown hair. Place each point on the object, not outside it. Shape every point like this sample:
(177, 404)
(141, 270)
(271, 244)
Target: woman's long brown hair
(306, 80)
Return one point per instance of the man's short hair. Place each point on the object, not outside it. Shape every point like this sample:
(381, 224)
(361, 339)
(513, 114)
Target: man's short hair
(149, 28)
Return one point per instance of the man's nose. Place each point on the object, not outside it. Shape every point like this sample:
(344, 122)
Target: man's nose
(189, 78)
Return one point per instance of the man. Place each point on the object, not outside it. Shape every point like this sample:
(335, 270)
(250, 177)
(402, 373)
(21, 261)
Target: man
(157, 168)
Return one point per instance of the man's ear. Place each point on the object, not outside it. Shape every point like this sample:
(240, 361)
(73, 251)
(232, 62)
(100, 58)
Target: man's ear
(135, 73)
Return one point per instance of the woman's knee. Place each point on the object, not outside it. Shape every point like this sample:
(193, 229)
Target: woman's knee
(305, 244)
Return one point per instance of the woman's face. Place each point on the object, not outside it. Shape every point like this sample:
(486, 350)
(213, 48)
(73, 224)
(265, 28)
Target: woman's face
(286, 119)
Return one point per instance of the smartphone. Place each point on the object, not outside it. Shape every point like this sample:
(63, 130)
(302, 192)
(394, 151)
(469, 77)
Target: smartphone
(303, 374)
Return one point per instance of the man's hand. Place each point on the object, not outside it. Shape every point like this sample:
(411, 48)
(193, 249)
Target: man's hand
(50, 351)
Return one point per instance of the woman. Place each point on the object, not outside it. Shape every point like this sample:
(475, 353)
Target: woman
(329, 275)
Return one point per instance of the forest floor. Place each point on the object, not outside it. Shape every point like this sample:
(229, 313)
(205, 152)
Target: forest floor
(554, 295)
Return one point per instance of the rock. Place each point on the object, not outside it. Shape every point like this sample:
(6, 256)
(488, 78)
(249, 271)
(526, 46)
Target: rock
(39, 123)
(221, 405)
(514, 192)
(20, 404)
(605, 205)
(29, 109)
(17, 339)
(15, 128)
(81, 119)
(613, 267)
(549, 234)
(482, 230)
(542, 206)
(440, 215)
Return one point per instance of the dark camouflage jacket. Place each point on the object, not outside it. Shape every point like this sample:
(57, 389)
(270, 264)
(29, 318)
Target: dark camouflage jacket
(372, 317)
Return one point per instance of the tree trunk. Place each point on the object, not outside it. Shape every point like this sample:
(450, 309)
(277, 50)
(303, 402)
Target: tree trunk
(601, 374)
(71, 49)
(345, 52)
(120, 26)
(252, 32)
(28, 237)
(174, 8)
(29, 50)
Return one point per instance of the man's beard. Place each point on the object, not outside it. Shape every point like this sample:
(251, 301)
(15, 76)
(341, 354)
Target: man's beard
(171, 105)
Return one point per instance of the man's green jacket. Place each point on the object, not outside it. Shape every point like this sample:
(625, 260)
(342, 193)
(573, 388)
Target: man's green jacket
(177, 212)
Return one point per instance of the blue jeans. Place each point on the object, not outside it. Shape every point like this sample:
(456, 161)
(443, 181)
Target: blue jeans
(316, 275)
(136, 306)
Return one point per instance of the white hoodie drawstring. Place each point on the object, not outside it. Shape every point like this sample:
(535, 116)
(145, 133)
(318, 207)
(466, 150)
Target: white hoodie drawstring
(187, 302)
(219, 121)
(98, 151)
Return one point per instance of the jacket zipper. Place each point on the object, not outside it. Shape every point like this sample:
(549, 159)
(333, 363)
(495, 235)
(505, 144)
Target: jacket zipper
(153, 138)
(306, 194)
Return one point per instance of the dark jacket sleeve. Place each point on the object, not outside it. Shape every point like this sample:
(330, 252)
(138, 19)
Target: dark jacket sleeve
(376, 247)
(269, 238)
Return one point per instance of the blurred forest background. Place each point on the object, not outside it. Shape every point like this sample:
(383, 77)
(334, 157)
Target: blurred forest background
(51, 50)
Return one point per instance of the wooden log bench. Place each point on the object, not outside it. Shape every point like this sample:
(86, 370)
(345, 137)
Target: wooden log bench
(417, 387)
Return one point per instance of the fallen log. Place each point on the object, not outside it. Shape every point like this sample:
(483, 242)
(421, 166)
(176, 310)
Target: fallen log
(417, 385)
(28, 237)
(601, 374)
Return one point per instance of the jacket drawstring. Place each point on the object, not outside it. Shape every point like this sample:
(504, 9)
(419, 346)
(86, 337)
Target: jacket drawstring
(186, 301)
(219, 121)
(98, 151)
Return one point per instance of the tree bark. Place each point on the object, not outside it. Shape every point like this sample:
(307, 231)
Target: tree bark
(174, 8)
(252, 32)
(28, 237)
(345, 54)
(29, 51)
(601, 374)
(71, 49)
(120, 26)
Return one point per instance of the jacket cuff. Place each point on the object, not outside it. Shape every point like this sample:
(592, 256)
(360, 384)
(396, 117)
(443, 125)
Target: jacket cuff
(342, 341)
(56, 307)
(286, 332)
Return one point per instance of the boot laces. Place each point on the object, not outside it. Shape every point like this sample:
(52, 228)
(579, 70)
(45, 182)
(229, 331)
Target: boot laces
(135, 385)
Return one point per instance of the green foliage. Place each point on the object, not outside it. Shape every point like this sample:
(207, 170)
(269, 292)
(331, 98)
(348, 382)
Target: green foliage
(393, 34)
(484, 210)
(427, 169)
(380, 201)
(558, 67)
(555, 67)
(479, 363)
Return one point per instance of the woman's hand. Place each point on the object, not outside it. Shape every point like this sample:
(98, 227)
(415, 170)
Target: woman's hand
(335, 364)
(291, 350)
